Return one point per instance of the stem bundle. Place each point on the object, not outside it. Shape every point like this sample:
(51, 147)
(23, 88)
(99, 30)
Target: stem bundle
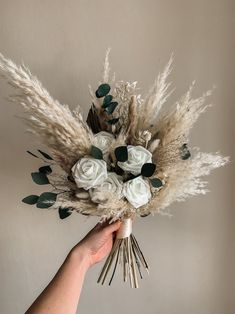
(127, 252)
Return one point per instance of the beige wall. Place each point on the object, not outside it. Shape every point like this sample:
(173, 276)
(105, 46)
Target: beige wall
(191, 256)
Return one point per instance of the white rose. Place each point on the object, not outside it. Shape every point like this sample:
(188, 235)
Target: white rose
(137, 191)
(112, 184)
(137, 156)
(103, 140)
(89, 172)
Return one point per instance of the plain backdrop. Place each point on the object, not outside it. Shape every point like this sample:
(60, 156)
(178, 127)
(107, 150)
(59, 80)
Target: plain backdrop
(191, 255)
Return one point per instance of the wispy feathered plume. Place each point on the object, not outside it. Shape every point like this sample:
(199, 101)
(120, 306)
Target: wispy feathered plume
(184, 180)
(180, 118)
(173, 127)
(156, 98)
(63, 132)
(106, 67)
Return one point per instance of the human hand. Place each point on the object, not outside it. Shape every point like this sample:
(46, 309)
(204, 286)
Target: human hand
(98, 242)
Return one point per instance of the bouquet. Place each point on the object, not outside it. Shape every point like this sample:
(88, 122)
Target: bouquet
(130, 158)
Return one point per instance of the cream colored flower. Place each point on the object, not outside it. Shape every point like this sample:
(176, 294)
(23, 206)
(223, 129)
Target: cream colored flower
(137, 157)
(137, 191)
(113, 184)
(103, 141)
(89, 172)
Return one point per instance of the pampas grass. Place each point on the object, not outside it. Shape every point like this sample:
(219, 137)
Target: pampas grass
(158, 94)
(63, 131)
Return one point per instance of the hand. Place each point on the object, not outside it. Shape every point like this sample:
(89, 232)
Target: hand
(98, 242)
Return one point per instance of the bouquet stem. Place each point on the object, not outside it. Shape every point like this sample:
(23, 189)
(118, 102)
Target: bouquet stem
(126, 251)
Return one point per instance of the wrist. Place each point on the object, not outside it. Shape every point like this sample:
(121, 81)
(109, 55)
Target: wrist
(79, 256)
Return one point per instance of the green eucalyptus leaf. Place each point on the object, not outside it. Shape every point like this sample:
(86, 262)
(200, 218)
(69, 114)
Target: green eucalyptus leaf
(148, 169)
(40, 178)
(45, 169)
(46, 200)
(184, 152)
(32, 154)
(64, 212)
(107, 100)
(111, 107)
(121, 153)
(45, 155)
(102, 90)
(96, 152)
(31, 199)
(156, 183)
(113, 121)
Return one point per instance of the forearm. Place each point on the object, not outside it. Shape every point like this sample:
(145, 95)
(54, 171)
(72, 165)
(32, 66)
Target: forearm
(61, 296)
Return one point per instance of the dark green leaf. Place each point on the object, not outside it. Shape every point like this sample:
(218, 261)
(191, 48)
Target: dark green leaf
(148, 169)
(121, 153)
(96, 152)
(64, 212)
(102, 90)
(40, 178)
(113, 121)
(184, 152)
(32, 154)
(31, 199)
(46, 200)
(111, 107)
(45, 169)
(107, 100)
(45, 155)
(156, 183)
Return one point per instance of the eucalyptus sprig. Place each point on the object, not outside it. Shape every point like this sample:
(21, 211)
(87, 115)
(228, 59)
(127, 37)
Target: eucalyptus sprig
(45, 199)
(108, 104)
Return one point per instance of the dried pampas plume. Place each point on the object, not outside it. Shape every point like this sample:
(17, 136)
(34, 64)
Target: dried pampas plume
(64, 132)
